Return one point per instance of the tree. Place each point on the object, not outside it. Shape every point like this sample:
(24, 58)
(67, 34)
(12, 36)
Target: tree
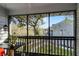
(22, 21)
(68, 21)
(33, 21)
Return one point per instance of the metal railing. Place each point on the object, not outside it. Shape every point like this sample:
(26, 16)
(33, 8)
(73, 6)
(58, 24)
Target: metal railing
(44, 45)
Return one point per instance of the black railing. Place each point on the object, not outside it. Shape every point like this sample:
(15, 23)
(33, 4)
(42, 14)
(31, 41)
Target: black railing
(43, 45)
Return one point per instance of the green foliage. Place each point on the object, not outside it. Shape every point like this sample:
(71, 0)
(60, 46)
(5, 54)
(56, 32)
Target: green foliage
(68, 21)
(35, 21)
(22, 21)
(21, 25)
(13, 39)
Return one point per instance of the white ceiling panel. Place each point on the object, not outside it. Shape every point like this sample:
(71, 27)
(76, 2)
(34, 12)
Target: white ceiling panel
(26, 8)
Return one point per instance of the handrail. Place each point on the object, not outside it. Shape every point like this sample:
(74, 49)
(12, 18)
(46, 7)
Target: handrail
(47, 37)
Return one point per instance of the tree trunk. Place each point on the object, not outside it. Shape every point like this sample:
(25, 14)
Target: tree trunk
(35, 31)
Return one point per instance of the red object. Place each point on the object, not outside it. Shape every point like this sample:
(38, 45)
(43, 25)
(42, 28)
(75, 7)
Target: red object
(2, 52)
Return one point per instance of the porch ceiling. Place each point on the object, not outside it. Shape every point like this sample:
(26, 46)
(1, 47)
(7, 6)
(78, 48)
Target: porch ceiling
(26, 8)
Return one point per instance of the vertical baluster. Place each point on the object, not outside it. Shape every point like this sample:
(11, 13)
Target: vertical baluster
(18, 44)
(50, 47)
(26, 44)
(29, 45)
(46, 46)
(43, 45)
(40, 45)
(64, 47)
(22, 47)
(53, 45)
(70, 47)
(74, 47)
(67, 48)
(61, 46)
(57, 46)
(35, 45)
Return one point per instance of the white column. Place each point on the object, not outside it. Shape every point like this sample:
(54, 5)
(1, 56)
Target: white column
(78, 29)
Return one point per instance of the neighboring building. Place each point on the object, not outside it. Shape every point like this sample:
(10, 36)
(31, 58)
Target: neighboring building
(63, 28)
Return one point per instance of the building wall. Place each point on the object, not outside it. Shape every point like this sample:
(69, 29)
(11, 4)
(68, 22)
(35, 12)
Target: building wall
(3, 16)
(3, 21)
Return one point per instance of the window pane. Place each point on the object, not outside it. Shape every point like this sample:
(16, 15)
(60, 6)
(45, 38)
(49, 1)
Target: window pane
(18, 26)
(61, 24)
(38, 25)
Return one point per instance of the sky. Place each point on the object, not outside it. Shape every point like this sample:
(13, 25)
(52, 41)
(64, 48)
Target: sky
(55, 20)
